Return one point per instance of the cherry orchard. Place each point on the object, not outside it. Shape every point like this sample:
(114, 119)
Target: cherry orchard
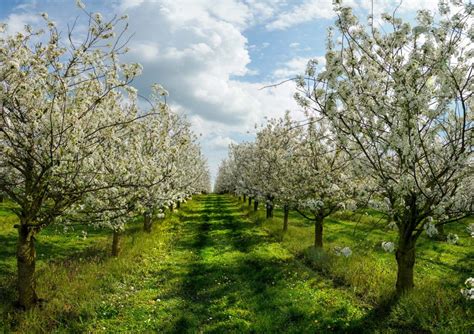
(400, 100)
(72, 137)
(297, 165)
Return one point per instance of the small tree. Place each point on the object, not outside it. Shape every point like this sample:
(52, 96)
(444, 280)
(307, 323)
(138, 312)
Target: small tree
(325, 171)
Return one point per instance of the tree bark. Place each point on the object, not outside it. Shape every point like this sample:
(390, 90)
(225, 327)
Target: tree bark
(405, 256)
(286, 212)
(441, 233)
(26, 263)
(250, 201)
(147, 222)
(171, 208)
(116, 247)
(245, 198)
(318, 232)
(255, 205)
(269, 210)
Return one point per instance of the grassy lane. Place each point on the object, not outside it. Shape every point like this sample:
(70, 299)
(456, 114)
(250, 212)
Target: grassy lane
(225, 274)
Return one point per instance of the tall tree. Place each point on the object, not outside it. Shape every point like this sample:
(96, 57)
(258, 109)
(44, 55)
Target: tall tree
(400, 99)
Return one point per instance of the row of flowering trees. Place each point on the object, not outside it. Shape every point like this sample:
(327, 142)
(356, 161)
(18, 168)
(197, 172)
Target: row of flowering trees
(390, 123)
(74, 145)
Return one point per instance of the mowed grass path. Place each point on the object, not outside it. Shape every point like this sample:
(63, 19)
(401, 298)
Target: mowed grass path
(226, 274)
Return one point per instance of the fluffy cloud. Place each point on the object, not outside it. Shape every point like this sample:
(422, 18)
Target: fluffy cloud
(16, 22)
(311, 10)
(307, 11)
(295, 66)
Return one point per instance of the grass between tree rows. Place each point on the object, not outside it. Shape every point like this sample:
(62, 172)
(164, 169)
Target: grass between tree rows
(215, 267)
(435, 305)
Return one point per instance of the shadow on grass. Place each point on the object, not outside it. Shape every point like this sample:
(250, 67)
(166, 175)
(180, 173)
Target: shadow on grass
(233, 283)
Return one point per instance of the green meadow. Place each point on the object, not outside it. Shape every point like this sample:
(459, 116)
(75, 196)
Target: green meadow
(215, 266)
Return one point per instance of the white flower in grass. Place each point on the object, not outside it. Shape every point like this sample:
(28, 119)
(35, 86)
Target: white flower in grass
(345, 251)
(468, 292)
(388, 246)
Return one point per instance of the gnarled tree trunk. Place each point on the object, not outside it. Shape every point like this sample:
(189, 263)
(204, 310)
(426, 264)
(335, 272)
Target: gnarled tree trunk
(116, 247)
(286, 212)
(26, 263)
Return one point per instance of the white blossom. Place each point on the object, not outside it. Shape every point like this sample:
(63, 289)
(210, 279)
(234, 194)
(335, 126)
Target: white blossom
(388, 246)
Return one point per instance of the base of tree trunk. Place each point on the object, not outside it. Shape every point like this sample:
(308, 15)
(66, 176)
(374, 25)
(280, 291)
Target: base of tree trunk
(116, 247)
(406, 262)
(147, 223)
(255, 205)
(318, 233)
(26, 264)
(269, 211)
(286, 212)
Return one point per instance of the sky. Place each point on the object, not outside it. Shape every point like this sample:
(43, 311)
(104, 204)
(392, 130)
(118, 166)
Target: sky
(216, 56)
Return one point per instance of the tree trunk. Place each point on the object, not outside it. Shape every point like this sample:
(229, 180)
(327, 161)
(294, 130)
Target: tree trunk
(147, 222)
(250, 201)
(245, 198)
(318, 232)
(255, 205)
(269, 210)
(26, 263)
(171, 207)
(441, 236)
(178, 205)
(405, 256)
(116, 243)
(286, 211)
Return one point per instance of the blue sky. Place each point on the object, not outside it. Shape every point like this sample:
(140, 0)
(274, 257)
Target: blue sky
(213, 56)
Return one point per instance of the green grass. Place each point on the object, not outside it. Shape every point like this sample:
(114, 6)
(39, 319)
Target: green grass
(436, 305)
(214, 267)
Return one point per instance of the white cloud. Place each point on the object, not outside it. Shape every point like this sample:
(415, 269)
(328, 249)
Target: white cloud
(295, 66)
(16, 22)
(294, 45)
(307, 11)
(221, 143)
(311, 10)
